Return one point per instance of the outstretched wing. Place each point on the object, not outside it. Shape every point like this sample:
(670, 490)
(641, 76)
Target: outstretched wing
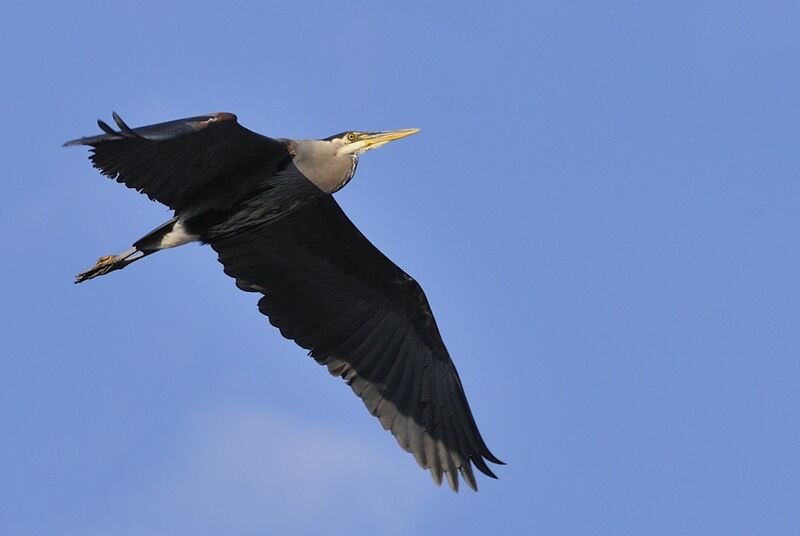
(329, 289)
(172, 162)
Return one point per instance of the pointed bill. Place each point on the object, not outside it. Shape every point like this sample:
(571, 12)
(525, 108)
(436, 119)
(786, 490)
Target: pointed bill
(373, 140)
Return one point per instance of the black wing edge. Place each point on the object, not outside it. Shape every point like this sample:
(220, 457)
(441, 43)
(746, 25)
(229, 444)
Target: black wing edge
(156, 132)
(443, 447)
(469, 432)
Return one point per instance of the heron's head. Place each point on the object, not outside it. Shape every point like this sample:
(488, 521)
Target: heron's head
(355, 143)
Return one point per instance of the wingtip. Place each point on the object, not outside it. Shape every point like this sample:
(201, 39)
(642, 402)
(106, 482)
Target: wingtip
(452, 479)
(492, 458)
(121, 124)
(479, 462)
(437, 476)
(468, 475)
(76, 141)
(486, 453)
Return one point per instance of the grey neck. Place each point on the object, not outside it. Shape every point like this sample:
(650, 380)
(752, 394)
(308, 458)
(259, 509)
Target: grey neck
(320, 162)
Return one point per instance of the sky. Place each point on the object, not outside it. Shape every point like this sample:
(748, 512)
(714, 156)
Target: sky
(602, 207)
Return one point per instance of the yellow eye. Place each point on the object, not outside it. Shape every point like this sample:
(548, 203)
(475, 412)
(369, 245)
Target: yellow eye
(351, 137)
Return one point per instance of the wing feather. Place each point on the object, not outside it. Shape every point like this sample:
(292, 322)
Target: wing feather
(174, 162)
(328, 288)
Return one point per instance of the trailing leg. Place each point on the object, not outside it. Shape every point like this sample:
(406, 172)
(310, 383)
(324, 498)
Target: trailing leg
(111, 263)
(169, 235)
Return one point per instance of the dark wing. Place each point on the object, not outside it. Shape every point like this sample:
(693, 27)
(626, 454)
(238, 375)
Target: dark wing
(172, 162)
(329, 289)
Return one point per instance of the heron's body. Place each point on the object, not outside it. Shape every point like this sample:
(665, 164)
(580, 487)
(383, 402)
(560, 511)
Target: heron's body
(265, 206)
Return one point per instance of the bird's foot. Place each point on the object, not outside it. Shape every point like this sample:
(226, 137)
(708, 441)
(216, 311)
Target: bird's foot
(110, 263)
(102, 266)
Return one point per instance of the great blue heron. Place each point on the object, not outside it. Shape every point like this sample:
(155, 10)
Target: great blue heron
(265, 206)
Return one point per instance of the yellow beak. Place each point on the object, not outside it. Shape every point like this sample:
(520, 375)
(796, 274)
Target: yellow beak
(376, 139)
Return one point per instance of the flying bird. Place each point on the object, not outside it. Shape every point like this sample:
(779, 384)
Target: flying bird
(265, 205)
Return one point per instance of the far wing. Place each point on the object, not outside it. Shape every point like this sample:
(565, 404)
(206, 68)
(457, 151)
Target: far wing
(171, 162)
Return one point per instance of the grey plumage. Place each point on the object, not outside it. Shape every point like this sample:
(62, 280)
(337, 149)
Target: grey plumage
(322, 164)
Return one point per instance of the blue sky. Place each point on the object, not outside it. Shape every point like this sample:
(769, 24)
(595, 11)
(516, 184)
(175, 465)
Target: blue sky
(602, 207)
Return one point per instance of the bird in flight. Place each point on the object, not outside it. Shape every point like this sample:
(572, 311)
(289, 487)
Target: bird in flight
(265, 205)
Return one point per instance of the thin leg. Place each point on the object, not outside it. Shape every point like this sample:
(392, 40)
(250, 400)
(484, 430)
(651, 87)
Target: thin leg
(110, 263)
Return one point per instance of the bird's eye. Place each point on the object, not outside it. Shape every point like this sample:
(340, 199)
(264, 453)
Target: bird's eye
(351, 137)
